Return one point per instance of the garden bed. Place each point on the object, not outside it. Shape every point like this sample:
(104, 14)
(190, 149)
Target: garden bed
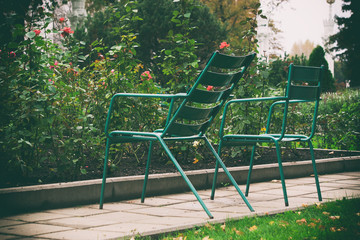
(130, 165)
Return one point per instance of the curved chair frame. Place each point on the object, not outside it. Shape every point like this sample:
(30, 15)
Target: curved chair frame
(223, 72)
(308, 91)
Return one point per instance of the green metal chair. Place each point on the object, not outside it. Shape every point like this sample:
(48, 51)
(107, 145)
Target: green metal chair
(190, 120)
(303, 86)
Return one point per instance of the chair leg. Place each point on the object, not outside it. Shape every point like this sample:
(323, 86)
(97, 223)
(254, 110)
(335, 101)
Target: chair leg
(104, 174)
(218, 160)
(278, 154)
(216, 173)
(250, 170)
(182, 173)
(315, 171)
(146, 172)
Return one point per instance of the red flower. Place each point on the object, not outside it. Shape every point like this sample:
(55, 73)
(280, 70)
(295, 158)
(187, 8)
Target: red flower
(37, 32)
(61, 20)
(146, 74)
(224, 45)
(209, 88)
(66, 31)
(12, 54)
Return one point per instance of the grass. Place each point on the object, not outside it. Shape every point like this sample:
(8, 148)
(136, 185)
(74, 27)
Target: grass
(332, 220)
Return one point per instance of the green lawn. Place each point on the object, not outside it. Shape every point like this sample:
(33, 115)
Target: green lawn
(331, 220)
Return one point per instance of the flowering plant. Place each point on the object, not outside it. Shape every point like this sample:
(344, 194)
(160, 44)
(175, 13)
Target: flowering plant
(224, 45)
(37, 32)
(66, 31)
(146, 75)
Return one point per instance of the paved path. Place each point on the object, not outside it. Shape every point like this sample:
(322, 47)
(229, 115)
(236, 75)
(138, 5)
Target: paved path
(173, 212)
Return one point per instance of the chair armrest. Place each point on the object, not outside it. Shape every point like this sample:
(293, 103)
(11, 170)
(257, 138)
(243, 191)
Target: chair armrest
(255, 99)
(170, 96)
(138, 95)
(243, 100)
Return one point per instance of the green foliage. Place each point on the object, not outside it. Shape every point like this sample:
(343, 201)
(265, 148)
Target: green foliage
(279, 69)
(166, 25)
(317, 58)
(178, 61)
(347, 44)
(55, 104)
(339, 121)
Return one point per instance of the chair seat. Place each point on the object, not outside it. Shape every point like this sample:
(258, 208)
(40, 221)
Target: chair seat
(237, 138)
(126, 137)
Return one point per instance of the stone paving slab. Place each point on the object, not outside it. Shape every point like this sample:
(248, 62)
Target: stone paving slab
(174, 212)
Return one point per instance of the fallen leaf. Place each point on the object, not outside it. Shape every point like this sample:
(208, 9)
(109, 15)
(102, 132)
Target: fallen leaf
(275, 181)
(207, 238)
(266, 214)
(334, 217)
(313, 225)
(223, 227)
(318, 205)
(253, 228)
(358, 214)
(209, 226)
(316, 220)
(331, 152)
(283, 223)
(333, 229)
(271, 222)
(195, 160)
(321, 227)
(304, 205)
(326, 213)
(180, 237)
(301, 221)
(237, 231)
(299, 213)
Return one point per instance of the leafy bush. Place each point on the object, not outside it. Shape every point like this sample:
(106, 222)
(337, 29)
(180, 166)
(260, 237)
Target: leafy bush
(55, 105)
(339, 121)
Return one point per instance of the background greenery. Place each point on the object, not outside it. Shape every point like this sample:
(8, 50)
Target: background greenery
(54, 96)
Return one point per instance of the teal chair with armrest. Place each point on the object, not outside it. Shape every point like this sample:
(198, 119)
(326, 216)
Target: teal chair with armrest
(188, 119)
(304, 85)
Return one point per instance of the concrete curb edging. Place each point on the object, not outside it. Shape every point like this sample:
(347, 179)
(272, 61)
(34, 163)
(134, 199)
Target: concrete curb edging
(31, 198)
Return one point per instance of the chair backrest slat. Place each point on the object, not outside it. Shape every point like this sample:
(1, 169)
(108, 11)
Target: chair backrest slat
(305, 73)
(304, 82)
(217, 79)
(196, 112)
(304, 93)
(201, 96)
(182, 129)
(229, 62)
